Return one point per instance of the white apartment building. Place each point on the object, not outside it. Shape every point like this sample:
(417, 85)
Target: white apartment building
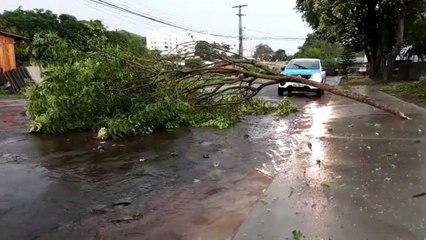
(169, 42)
(248, 52)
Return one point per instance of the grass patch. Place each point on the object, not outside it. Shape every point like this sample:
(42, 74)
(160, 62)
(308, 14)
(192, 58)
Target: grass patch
(7, 95)
(414, 92)
(356, 80)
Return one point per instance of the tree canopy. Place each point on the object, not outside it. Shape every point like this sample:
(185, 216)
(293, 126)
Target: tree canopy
(416, 36)
(279, 55)
(75, 32)
(373, 26)
(207, 50)
(263, 52)
(316, 47)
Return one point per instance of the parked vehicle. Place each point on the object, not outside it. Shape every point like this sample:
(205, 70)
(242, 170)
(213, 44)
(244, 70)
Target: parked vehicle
(308, 68)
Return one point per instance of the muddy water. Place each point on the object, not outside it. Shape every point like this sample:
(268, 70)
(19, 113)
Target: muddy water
(181, 184)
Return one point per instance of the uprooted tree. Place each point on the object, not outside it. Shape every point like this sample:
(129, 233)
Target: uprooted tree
(119, 93)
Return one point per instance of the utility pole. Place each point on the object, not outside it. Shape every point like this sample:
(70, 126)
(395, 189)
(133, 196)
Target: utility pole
(240, 27)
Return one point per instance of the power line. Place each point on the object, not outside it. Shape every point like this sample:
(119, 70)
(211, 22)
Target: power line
(122, 17)
(274, 38)
(152, 18)
(126, 9)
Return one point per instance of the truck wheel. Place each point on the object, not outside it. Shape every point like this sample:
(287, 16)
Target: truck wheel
(280, 92)
(319, 92)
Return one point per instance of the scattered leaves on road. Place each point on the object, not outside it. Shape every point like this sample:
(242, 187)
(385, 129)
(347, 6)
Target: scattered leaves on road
(325, 184)
(297, 235)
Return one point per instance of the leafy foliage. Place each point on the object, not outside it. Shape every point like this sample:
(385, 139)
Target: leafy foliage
(285, 108)
(297, 235)
(414, 91)
(347, 59)
(127, 41)
(416, 36)
(79, 34)
(207, 50)
(263, 52)
(371, 26)
(279, 55)
(317, 47)
(194, 63)
(112, 92)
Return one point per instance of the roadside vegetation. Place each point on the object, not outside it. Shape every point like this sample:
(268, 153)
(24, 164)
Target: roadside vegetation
(356, 80)
(391, 26)
(7, 95)
(411, 91)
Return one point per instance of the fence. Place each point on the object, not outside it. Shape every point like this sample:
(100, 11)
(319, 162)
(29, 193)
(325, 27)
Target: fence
(18, 79)
(411, 71)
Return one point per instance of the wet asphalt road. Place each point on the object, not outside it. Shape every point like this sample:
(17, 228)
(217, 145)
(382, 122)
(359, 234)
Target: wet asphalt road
(67, 187)
(359, 173)
(73, 186)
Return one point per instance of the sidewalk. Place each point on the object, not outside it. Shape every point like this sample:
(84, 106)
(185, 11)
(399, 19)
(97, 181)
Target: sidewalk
(355, 180)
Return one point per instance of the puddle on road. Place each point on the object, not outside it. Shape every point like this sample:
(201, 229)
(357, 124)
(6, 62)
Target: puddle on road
(73, 186)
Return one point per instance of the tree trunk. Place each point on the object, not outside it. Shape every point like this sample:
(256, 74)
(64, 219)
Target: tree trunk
(374, 65)
(278, 78)
(391, 59)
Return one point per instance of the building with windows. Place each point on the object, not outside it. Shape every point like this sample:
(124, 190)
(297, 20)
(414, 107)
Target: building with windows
(169, 42)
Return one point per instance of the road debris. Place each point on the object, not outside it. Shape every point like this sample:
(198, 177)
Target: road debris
(291, 192)
(127, 218)
(310, 146)
(325, 184)
(121, 203)
(419, 195)
(297, 235)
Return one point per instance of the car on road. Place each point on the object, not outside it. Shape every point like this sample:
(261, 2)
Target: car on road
(308, 68)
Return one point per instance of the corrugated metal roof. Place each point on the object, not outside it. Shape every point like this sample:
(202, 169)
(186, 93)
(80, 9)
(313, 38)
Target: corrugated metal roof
(14, 36)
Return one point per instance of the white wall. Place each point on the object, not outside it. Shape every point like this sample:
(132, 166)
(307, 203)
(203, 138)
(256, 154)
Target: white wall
(167, 41)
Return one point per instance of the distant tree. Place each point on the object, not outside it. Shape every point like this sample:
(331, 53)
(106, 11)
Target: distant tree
(85, 35)
(347, 59)
(376, 27)
(263, 52)
(279, 55)
(29, 22)
(316, 47)
(207, 51)
(416, 36)
(128, 41)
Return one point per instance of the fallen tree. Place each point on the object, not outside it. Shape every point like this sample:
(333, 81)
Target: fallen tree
(117, 93)
(248, 79)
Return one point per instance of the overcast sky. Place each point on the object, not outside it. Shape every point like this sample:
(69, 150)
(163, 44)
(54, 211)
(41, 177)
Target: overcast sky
(266, 18)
